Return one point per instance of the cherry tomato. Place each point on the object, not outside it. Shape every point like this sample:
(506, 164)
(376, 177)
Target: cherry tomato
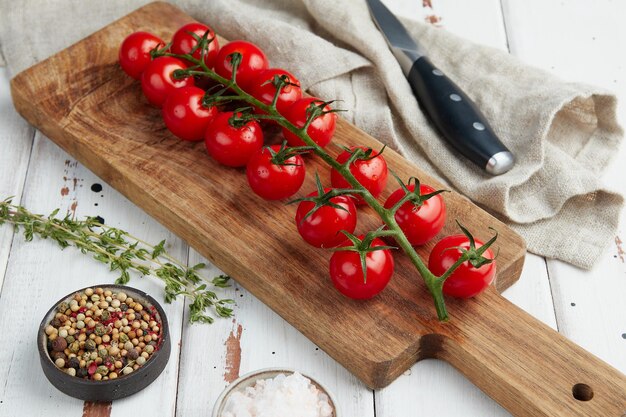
(183, 42)
(419, 223)
(322, 229)
(321, 130)
(371, 173)
(184, 114)
(466, 281)
(157, 81)
(346, 271)
(263, 89)
(272, 181)
(134, 55)
(229, 145)
(253, 61)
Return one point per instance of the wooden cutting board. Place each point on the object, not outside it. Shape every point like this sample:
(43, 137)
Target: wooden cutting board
(81, 99)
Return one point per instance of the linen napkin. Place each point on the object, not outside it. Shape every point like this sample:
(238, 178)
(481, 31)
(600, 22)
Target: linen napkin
(563, 134)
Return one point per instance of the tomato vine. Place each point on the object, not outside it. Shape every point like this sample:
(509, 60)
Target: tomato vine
(235, 92)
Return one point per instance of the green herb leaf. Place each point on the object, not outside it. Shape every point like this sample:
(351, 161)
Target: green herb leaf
(125, 254)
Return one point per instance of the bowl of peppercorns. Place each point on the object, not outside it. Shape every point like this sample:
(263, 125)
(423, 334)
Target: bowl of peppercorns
(104, 342)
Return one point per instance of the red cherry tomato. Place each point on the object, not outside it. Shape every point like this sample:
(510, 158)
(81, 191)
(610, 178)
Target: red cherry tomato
(346, 271)
(466, 281)
(157, 81)
(271, 181)
(183, 42)
(321, 130)
(371, 173)
(229, 145)
(263, 89)
(253, 61)
(134, 55)
(419, 223)
(184, 114)
(322, 229)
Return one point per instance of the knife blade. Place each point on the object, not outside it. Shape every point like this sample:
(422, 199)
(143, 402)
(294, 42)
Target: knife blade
(454, 114)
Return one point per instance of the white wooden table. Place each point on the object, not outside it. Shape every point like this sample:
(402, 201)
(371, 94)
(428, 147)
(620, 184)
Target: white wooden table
(578, 40)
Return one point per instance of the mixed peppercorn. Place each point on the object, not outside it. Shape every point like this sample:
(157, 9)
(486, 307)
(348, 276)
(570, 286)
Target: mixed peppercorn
(100, 335)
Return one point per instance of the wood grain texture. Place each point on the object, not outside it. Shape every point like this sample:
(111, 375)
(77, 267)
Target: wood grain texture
(16, 137)
(98, 115)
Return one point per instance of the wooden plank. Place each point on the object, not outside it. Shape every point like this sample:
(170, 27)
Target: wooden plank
(101, 108)
(533, 293)
(256, 338)
(16, 139)
(589, 305)
(478, 21)
(203, 358)
(39, 273)
(433, 387)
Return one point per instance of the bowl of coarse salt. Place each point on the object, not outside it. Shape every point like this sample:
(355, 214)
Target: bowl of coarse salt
(275, 392)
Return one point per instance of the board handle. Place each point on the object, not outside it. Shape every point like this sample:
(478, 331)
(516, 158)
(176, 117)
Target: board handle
(526, 366)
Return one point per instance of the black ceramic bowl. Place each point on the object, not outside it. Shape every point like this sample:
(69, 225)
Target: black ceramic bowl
(115, 388)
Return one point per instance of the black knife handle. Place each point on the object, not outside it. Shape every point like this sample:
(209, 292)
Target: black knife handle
(457, 118)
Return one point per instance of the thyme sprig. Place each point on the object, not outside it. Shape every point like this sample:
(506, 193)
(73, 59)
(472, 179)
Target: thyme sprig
(126, 254)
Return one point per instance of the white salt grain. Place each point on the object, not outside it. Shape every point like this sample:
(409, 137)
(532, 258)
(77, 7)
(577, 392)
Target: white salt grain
(283, 396)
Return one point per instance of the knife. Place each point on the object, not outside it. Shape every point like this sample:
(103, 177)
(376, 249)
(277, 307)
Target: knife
(452, 112)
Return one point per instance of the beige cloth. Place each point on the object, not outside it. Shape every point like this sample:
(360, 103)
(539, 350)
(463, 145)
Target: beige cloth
(563, 134)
